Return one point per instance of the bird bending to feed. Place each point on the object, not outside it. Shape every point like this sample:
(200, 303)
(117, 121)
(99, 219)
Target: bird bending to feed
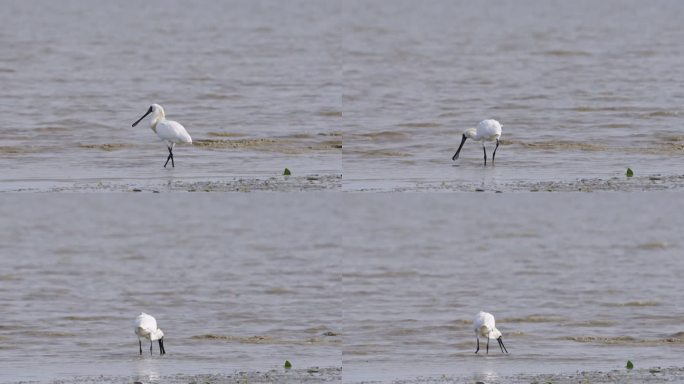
(487, 130)
(146, 326)
(485, 326)
(171, 132)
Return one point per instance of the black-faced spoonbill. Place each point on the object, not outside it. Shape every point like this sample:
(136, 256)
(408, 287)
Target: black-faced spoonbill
(487, 130)
(146, 326)
(171, 132)
(485, 326)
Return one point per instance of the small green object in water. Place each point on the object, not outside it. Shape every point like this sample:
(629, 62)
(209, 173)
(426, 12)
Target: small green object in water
(629, 173)
(286, 172)
(288, 365)
(629, 364)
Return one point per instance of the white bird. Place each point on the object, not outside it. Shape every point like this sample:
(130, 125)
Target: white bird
(487, 130)
(171, 132)
(146, 326)
(485, 326)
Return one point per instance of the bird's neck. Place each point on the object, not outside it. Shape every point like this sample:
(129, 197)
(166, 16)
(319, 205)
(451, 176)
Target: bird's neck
(156, 118)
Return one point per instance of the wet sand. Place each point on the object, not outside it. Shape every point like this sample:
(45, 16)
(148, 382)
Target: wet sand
(655, 182)
(336, 182)
(329, 375)
(310, 182)
(650, 375)
(308, 375)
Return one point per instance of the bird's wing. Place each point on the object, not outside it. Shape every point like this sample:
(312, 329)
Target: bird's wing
(172, 131)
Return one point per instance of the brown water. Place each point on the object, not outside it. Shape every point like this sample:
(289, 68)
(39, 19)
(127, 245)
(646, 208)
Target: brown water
(256, 84)
(576, 283)
(584, 89)
(236, 282)
(383, 285)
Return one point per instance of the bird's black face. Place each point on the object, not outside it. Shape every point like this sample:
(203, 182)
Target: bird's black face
(147, 113)
(501, 345)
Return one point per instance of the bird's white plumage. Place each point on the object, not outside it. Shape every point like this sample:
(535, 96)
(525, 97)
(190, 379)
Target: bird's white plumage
(169, 131)
(487, 130)
(485, 325)
(146, 326)
(172, 132)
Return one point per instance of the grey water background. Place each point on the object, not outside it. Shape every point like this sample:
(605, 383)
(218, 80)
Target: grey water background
(384, 285)
(584, 89)
(237, 282)
(576, 282)
(255, 83)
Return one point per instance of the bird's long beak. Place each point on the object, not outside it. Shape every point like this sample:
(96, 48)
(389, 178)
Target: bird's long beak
(459, 147)
(145, 115)
(501, 345)
(162, 351)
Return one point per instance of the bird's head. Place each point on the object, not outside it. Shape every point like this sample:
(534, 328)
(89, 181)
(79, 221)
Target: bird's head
(154, 108)
(496, 334)
(159, 336)
(470, 133)
(156, 335)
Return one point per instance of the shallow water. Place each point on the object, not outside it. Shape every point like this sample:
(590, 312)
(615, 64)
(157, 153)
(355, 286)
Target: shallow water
(383, 285)
(243, 287)
(576, 283)
(256, 84)
(583, 89)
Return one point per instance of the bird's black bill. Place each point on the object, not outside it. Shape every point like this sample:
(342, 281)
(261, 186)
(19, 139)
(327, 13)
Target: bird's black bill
(495, 148)
(501, 345)
(145, 115)
(140, 342)
(459, 148)
(162, 351)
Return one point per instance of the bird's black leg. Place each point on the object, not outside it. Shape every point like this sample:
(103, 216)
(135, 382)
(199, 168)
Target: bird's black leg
(488, 345)
(476, 351)
(140, 342)
(494, 154)
(485, 157)
(171, 153)
(150, 347)
(500, 346)
(170, 157)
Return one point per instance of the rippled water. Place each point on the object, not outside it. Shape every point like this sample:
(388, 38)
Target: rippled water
(387, 283)
(256, 84)
(243, 287)
(584, 89)
(576, 282)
